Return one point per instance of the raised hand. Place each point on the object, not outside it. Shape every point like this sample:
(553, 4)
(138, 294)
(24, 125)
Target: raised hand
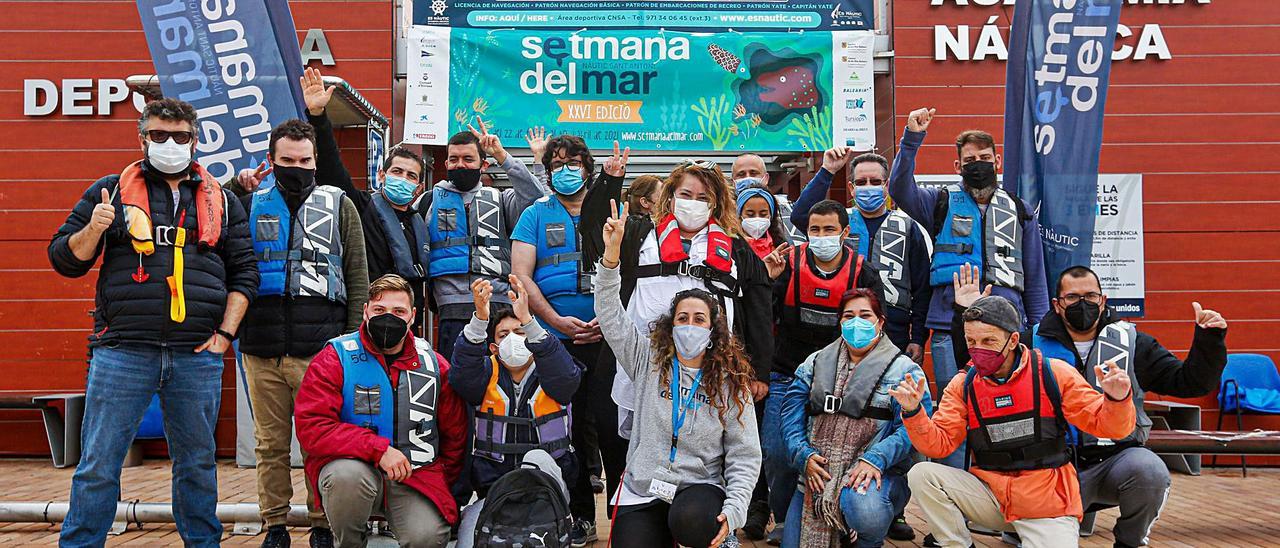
(249, 179)
(481, 294)
(834, 159)
(919, 119)
(614, 227)
(519, 299)
(537, 139)
(313, 92)
(1113, 380)
(489, 142)
(776, 261)
(104, 213)
(966, 283)
(1208, 318)
(616, 165)
(909, 392)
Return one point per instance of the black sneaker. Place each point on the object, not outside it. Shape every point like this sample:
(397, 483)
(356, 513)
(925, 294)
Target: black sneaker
(930, 542)
(584, 532)
(321, 537)
(757, 520)
(277, 537)
(597, 485)
(899, 530)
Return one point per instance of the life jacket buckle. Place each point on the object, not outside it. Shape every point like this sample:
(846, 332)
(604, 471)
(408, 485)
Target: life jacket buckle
(166, 235)
(831, 404)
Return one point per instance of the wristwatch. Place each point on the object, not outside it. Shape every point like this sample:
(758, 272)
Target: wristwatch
(226, 335)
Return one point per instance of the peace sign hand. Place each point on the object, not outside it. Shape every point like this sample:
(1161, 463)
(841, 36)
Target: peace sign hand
(776, 261)
(616, 165)
(519, 299)
(537, 139)
(489, 143)
(313, 92)
(249, 179)
(614, 227)
(1208, 318)
(1113, 380)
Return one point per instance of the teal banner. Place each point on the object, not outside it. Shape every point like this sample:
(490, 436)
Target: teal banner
(645, 88)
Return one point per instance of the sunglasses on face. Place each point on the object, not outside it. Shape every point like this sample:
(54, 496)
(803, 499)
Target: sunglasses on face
(704, 164)
(873, 181)
(159, 136)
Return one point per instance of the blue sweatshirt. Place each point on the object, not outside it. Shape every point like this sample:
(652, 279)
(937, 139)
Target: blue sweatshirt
(903, 327)
(919, 203)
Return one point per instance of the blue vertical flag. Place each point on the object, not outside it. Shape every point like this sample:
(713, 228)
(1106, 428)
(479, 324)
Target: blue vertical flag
(237, 62)
(1059, 66)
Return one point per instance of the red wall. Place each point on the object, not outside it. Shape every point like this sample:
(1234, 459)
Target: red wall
(46, 163)
(1200, 127)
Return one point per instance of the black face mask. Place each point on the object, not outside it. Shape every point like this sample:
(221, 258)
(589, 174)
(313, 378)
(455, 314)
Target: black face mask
(1082, 315)
(464, 179)
(979, 175)
(386, 330)
(293, 181)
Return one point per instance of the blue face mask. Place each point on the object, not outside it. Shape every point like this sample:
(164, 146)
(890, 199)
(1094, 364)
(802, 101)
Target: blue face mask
(398, 190)
(858, 332)
(825, 248)
(869, 198)
(567, 180)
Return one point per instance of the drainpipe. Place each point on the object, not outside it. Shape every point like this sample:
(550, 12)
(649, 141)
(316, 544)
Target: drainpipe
(243, 514)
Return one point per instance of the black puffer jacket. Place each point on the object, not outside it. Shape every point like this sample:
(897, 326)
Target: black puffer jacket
(138, 312)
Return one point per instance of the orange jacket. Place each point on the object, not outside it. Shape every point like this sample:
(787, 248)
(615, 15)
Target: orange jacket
(1027, 494)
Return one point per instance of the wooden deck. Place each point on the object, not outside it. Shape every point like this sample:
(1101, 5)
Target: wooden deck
(1218, 509)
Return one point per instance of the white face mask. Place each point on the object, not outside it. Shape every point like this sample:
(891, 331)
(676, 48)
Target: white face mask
(692, 215)
(691, 340)
(513, 352)
(756, 226)
(169, 157)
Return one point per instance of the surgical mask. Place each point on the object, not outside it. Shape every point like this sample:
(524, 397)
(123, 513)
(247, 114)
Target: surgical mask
(869, 198)
(513, 352)
(1082, 315)
(979, 175)
(858, 332)
(755, 227)
(746, 182)
(692, 215)
(988, 361)
(292, 179)
(169, 157)
(691, 340)
(386, 330)
(567, 180)
(464, 179)
(398, 190)
(825, 248)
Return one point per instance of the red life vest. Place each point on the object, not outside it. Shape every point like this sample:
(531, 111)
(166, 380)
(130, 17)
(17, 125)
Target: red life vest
(716, 270)
(1017, 425)
(812, 300)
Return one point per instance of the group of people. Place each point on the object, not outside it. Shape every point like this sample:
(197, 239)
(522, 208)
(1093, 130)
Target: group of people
(710, 355)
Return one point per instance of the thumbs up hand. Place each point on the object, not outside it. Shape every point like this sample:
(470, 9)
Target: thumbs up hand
(1208, 318)
(103, 214)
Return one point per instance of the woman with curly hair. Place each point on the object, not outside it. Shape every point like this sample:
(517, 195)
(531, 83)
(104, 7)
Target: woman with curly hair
(694, 454)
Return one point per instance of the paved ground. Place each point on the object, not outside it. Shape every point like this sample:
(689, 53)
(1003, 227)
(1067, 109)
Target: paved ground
(1218, 509)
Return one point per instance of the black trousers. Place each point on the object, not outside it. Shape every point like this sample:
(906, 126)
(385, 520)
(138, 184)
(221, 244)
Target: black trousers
(613, 448)
(689, 520)
(586, 434)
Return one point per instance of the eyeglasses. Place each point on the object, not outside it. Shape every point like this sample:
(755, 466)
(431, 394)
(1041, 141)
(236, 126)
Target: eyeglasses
(557, 164)
(874, 181)
(704, 164)
(159, 136)
(1072, 298)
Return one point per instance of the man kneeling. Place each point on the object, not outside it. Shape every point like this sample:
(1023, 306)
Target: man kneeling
(382, 431)
(1013, 407)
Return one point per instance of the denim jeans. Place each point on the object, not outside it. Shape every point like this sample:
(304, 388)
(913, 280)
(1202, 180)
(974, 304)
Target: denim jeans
(777, 466)
(122, 381)
(944, 368)
(869, 514)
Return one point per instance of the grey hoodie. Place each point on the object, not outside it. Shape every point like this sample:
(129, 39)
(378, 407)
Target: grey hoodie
(725, 455)
(453, 293)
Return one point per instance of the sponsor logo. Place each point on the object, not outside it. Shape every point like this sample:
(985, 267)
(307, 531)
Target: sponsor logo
(438, 7)
(1004, 401)
(855, 103)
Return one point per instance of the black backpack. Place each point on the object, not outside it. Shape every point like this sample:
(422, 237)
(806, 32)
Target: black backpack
(525, 508)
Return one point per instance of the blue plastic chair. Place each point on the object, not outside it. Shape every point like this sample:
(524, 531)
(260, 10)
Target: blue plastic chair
(152, 426)
(1250, 384)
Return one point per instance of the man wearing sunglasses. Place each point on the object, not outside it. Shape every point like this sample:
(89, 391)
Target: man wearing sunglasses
(1082, 331)
(177, 274)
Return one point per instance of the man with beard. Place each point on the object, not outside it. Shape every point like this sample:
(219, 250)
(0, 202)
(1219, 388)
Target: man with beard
(970, 223)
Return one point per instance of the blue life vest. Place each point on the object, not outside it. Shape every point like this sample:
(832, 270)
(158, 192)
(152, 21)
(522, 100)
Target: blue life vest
(410, 259)
(887, 251)
(406, 415)
(468, 240)
(559, 267)
(1116, 343)
(302, 254)
(991, 242)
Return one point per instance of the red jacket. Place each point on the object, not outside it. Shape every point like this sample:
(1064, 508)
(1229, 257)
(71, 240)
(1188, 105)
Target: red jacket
(325, 438)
